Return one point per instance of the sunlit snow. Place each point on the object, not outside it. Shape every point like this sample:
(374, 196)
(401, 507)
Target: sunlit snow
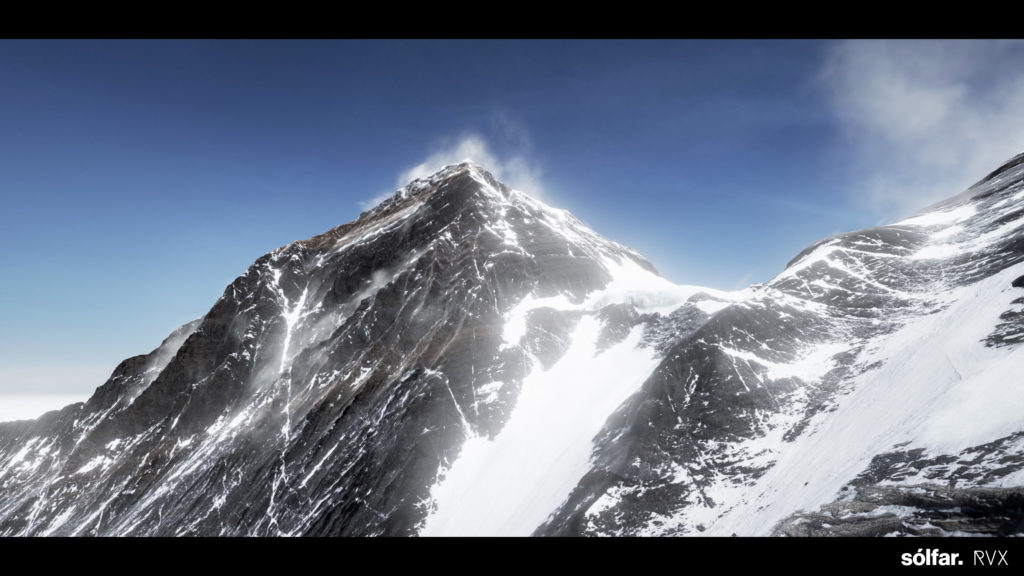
(509, 485)
(936, 218)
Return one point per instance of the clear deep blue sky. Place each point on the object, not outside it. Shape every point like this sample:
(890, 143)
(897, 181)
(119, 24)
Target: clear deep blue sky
(139, 178)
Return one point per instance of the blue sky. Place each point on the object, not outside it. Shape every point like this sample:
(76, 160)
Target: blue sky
(139, 178)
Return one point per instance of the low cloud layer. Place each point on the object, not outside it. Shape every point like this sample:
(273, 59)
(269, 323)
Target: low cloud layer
(31, 407)
(928, 118)
(45, 379)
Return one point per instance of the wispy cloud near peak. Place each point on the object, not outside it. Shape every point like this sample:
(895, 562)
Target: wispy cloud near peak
(516, 170)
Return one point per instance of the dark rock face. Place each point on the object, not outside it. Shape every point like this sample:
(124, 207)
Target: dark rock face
(334, 384)
(928, 510)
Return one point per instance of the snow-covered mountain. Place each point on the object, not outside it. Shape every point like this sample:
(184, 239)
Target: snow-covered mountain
(873, 387)
(463, 359)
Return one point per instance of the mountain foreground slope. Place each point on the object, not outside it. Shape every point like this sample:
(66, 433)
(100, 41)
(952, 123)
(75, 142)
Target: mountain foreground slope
(464, 359)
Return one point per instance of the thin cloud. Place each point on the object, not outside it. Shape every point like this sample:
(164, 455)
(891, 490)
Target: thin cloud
(515, 170)
(370, 203)
(927, 118)
(745, 280)
(513, 165)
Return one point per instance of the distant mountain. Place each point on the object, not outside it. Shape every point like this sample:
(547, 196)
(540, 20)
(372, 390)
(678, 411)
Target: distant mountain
(463, 359)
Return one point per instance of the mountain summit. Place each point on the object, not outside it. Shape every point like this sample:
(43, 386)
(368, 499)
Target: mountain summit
(333, 384)
(464, 359)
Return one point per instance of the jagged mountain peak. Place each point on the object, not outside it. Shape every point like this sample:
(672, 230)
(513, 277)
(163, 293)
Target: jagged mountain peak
(358, 360)
(462, 201)
(446, 182)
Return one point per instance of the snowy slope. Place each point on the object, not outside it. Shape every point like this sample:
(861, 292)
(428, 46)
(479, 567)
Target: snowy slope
(508, 485)
(938, 389)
